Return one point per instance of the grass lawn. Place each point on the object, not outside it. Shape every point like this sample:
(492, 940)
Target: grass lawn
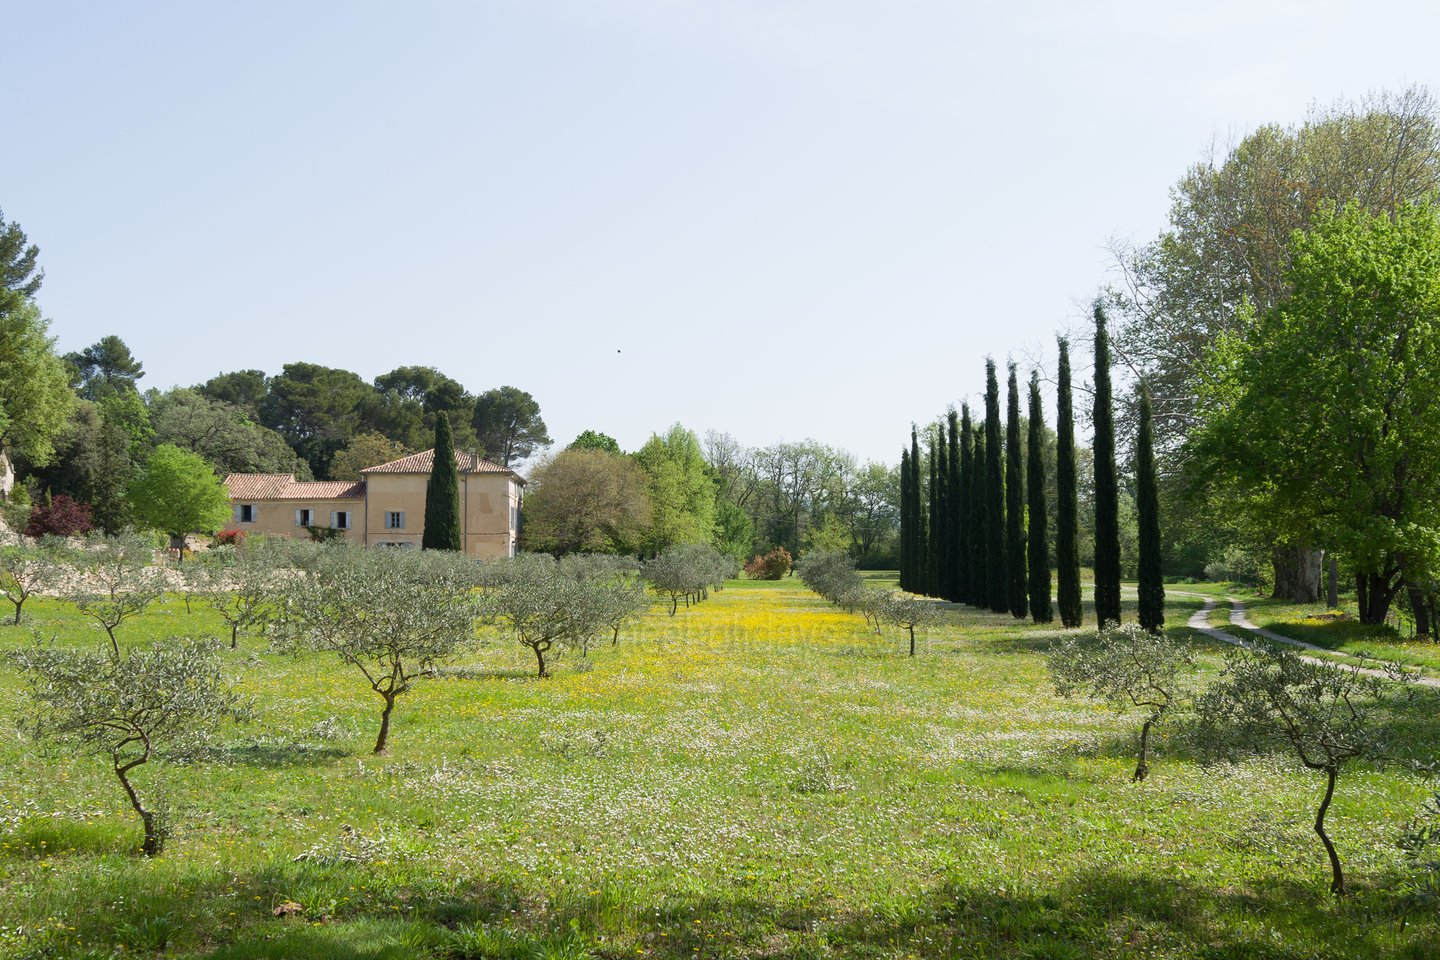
(757, 776)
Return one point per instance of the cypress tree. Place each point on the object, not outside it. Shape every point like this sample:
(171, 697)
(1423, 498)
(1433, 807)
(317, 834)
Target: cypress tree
(1067, 504)
(995, 590)
(937, 520)
(1014, 505)
(919, 544)
(442, 493)
(953, 519)
(1152, 586)
(980, 530)
(1107, 493)
(907, 521)
(963, 509)
(1035, 489)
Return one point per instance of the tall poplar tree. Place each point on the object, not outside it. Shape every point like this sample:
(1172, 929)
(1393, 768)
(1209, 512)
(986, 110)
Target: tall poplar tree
(1152, 585)
(1014, 504)
(980, 520)
(995, 590)
(1039, 540)
(953, 518)
(964, 509)
(1067, 502)
(1107, 493)
(442, 493)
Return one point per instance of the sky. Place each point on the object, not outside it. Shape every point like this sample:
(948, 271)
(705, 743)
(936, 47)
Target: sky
(781, 219)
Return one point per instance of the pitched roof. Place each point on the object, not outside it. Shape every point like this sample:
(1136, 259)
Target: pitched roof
(284, 486)
(423, 461)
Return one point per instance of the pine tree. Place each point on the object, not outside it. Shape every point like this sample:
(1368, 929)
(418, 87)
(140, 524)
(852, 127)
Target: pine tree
(979, 514)
(953, 519)
(964, 509)
(1039, 544)
(907, 520)
(1107, 493)
(1152, 585)
(995, 588)
(1014, 505)
(1067, 505)
(442, 493)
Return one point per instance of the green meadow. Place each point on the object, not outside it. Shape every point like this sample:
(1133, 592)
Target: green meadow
(760, 775)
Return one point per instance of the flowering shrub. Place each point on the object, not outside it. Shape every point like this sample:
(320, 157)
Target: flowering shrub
(61, 517)
(229, 538)
(773, 566)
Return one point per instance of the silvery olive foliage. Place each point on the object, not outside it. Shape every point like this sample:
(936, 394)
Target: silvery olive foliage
(164, 700)
(393, 615)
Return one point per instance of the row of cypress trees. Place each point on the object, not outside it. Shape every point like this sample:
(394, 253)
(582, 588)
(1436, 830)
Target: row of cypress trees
(978, 533)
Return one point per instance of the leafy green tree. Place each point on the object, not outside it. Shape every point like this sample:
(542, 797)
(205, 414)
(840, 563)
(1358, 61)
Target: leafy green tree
(1038, 545)
(178, 493)
(1152, 582)
(1107, 492)
(393, 615)
(508, 425)
(18, 275)
(686, 571)
(544, 607)
(368, 449)
(1129, 668)
(106, 367)
(682, 496)
(168, 698)
(35, 397)
(996, 586)
(416, 396)
(586, 500)
(1067, 504)
(317, 410)
(1328, 407)
(1015, 579)
(92, 465)
(829, 573)
(591, 440)
(224, 434)
(442, 494)
(245, 389)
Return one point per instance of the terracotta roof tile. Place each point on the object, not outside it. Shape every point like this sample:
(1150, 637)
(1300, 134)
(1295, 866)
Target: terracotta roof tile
(283, 486)
(422, 462)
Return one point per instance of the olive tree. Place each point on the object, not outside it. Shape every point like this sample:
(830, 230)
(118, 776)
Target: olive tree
(687, 571)
(393, 615)
(26, 567)
(907, 611)
(152, 702)
(239, 583)
(114, 580)
(1130, 669)
(540, 606)
(830, 573)
(1326, 715)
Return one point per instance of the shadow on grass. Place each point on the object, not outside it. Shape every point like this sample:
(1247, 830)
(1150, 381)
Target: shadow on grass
(274, 754)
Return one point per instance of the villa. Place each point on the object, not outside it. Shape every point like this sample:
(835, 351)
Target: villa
(385, 508)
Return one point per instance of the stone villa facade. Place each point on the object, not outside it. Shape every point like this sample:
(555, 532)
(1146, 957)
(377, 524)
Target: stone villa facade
(384, 508)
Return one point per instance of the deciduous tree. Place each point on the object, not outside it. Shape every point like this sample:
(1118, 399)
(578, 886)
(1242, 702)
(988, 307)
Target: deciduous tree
(586, 500)
(178, 493)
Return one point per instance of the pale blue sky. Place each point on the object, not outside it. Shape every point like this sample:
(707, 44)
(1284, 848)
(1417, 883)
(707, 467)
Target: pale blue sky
(792, 218)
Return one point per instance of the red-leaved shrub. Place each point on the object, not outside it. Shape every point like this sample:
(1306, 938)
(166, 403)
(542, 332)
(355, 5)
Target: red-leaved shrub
(61, 517)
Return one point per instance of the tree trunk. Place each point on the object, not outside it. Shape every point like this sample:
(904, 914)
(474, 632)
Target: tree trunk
(18, 604)
(1421, 609)
(234, 635)
(1332, 591)
(912, 641)
(384, 723)
(154, 838)
(540, 657)
(1375, 592)
(1337, 875)
(1297, 574)
(1142, 768)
